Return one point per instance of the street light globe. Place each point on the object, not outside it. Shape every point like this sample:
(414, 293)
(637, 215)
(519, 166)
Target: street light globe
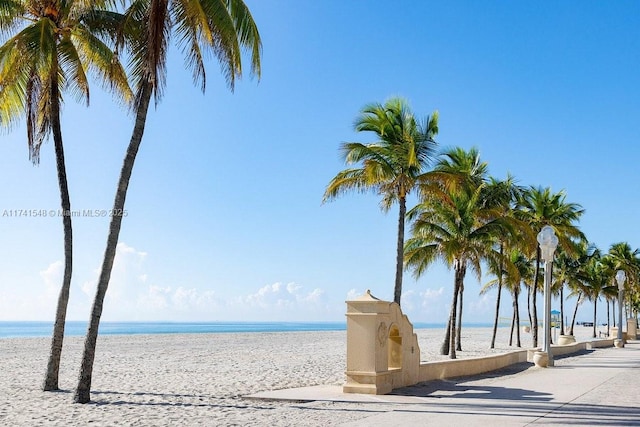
(620, 278)
(548, 242)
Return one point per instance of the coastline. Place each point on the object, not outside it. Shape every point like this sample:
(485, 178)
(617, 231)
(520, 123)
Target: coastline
(198, 379)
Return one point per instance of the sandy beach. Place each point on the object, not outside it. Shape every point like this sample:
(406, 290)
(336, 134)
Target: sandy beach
(199, 379)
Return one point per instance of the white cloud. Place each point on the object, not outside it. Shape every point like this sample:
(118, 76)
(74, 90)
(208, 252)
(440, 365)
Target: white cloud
(37, 299)
(52, 275)
(285, 302)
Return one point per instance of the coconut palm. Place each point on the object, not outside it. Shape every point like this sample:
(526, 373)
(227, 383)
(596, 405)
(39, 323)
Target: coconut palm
(565, 274)
(49, 48)
(471, 173)
(598, 279)
(459, 228)
(392, 165)
(222, 28)
(539, 207)
(622, 257)
(502, 195)
(577, 277)
(460, 232)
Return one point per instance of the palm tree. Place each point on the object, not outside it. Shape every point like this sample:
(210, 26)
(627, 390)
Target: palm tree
(463, 171)
(225, 29)
(539, 207)
(598, 277)
(565, 270)
(392, 165)
(622, 257)
(502, 195)
(516, 271)
(54, 45)
(578, 276)
(459, 228)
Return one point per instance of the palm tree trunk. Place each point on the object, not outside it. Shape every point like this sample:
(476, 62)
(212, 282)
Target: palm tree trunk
(459, 280)
(444, 349)
(53, 365)
(513, 324)
(459, 328)
(595, 303)
(534, 294)
(497, 316)
(448, 346)
(529, 307)
(562, 331)
(517, 316)
(83, 390)
(452, 324)
(575, 313)
(397, 292)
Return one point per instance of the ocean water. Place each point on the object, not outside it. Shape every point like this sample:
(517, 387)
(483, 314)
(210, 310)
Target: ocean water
(9, 329)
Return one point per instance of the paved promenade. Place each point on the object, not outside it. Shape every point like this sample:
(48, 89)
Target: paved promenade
(597, 388)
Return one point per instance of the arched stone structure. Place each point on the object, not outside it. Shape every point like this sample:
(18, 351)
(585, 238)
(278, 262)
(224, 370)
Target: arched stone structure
(382, 349)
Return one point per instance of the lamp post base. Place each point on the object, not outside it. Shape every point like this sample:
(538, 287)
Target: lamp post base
(618, 343)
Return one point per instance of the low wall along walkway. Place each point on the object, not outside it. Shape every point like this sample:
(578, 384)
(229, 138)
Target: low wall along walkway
(383, 352)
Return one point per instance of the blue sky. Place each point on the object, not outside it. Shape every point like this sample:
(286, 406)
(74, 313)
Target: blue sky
(224, 215)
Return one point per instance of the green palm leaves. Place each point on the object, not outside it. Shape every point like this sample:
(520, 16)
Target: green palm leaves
(51, 54)
(392, 165)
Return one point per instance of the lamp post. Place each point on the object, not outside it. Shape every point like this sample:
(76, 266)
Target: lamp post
(548, 242)
(620, 278)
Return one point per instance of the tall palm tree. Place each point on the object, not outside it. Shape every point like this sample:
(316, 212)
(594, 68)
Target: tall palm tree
(50, 46)
(539, 207)
(622, 257)
(519, 271)
(471, 173)
(565, 274)
(578, 276)
(502, 194)
(223, 28)
(598, 279)
(461, 233)
(392, 165)
(459, 228)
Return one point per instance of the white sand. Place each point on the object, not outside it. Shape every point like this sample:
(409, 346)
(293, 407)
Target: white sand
(198, 379)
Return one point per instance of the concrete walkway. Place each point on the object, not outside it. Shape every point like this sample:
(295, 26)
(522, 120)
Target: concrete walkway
(596, 388)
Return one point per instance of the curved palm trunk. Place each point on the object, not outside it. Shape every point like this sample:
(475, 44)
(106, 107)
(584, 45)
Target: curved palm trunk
(397, 291)
(82, 394)
(55, 352)
(575, 313)
(534, 294)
